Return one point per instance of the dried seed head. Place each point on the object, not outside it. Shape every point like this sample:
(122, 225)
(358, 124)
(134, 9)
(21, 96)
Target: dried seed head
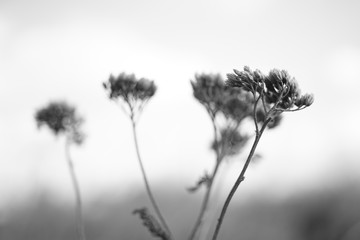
(208, 90)
(283, 90)
(61, 118)
(247, 79)
(127, 87)
(211, 91)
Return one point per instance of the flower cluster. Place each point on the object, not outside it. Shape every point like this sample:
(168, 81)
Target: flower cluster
(210, 90)
(129, 88)
(278, 89)
(230, 142)
(134, 92)
(61, 118)
(234, 104)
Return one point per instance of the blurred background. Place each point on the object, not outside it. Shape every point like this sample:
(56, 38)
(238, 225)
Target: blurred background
(305, 186)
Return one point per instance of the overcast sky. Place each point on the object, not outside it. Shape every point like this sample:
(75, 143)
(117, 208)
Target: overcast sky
(64, 50)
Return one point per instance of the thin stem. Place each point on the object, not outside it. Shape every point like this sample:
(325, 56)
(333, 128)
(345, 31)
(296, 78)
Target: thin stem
(79, 214)
(240, 178)
(147, 185)
(205, 202)
(255, 114)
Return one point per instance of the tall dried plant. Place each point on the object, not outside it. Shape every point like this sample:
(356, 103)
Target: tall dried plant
(62, 119)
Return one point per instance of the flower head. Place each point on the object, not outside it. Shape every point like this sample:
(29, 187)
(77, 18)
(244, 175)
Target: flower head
(278, 88)
(211, 91)
(129, 88)
(61, 118)
(249, 80)
(208, 90)
(281, 89)
(134, 92)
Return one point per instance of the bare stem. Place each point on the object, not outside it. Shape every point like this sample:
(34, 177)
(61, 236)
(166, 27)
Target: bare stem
(147, 185)
(205, 202)
(79, 214)
(240, 178)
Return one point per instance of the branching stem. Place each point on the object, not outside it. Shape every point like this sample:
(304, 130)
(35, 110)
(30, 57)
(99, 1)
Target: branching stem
(79, 214)
(240, 178)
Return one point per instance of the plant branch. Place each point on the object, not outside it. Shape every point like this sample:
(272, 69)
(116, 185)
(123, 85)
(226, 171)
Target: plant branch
(240, 178)
(147, 185)
(79, 214)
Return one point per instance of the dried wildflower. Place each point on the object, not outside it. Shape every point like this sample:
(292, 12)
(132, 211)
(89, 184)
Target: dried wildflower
(278, 89)
(61, 118)
(272, 94)
(151, 223)
(134, 92)
(227, 108)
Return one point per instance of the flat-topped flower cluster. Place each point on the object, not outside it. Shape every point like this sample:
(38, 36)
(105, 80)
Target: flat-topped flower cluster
(278, 89)
(61, 118)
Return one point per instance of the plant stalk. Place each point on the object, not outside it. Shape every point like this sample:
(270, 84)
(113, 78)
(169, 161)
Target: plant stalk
(147, 185)
(240, 178)
(205, 202)
(79, 215)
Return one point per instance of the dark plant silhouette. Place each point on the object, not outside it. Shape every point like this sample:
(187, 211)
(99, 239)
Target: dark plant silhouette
(62, 119)
(132, 94)
(272, 95)
(227, 107)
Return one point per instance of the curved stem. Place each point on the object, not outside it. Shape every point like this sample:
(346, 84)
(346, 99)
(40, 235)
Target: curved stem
(79, 214)
(205, 202)
(240, 178)
(147, 185)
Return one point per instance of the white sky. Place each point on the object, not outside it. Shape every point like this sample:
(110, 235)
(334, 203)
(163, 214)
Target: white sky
(64, 50)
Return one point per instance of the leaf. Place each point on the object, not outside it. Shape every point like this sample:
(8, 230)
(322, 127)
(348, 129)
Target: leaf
(203, 180)
(151, 223)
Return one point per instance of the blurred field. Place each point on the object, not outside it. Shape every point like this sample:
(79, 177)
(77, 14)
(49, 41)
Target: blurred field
(327, 215)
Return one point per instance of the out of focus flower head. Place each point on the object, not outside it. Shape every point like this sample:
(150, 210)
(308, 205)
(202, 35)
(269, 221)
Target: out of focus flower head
(230, 143)
(210, 90)
(134, 92)
(61, 118)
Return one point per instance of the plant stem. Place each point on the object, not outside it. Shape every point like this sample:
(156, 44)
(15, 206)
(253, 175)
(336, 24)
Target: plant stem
(79, 214)
(147, 185)
(205, 202)
(240, 178)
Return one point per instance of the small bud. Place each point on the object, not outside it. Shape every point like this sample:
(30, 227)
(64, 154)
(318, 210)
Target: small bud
(237, 72)
(308, 99)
